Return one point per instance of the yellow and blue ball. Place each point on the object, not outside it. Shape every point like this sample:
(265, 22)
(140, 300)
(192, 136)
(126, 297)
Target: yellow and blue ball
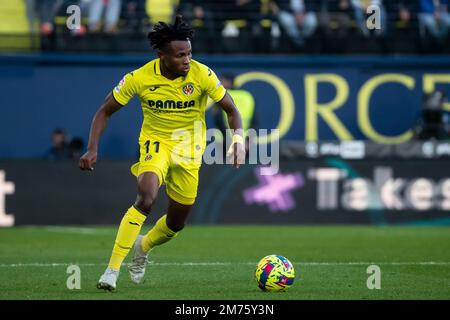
(274, 273)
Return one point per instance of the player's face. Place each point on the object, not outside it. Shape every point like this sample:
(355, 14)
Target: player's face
(177, 57)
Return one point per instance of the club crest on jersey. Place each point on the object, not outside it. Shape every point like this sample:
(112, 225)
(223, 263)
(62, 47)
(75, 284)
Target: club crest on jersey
(188, 89)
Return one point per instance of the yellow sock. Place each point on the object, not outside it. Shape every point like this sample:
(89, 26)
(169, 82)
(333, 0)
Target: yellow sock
(159, 234)
(129, 229)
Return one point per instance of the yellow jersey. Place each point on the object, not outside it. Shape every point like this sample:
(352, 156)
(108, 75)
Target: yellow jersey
(174, 110)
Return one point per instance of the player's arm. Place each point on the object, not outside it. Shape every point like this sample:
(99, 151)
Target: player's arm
(109, 106)
(237, 149)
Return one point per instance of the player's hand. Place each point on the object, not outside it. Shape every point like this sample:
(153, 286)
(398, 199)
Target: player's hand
(88, 160)
(237, 153)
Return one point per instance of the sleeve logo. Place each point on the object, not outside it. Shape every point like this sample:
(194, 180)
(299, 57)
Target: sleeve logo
(120, 85)
(188, 89)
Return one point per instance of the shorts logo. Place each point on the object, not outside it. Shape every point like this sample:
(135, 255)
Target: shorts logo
(148, 157)
(188, 89)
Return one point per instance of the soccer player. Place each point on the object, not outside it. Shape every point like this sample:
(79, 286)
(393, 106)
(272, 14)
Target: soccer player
(173, 91)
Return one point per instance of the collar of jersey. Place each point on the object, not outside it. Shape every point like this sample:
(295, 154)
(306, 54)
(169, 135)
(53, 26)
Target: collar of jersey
(158, 73)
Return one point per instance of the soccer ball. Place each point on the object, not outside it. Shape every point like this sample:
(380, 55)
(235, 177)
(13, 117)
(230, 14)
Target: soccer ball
(274, 273)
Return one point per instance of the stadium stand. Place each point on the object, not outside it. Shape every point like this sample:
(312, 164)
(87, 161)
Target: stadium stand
(15, 26)
(250, 26)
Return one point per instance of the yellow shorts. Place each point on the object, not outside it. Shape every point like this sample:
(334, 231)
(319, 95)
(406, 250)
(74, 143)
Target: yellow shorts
(179, 174)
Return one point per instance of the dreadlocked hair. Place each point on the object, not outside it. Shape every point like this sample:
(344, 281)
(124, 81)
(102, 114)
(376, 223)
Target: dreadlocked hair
(162, 33)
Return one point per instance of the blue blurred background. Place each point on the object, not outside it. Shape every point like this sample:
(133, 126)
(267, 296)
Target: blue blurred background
(316, 70)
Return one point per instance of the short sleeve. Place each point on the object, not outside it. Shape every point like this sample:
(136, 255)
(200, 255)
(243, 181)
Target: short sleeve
(214, 87)
(126, 89)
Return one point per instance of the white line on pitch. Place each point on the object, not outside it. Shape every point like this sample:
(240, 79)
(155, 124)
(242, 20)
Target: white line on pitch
(306, 263)
(73, 230)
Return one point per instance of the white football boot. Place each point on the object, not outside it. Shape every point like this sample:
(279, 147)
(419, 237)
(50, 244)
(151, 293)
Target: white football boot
(137, 266)
(108, 280)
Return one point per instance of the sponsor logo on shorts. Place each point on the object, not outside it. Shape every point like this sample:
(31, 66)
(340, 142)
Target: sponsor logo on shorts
(148, 157)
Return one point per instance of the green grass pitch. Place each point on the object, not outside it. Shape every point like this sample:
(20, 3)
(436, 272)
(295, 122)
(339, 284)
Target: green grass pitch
(218, 262)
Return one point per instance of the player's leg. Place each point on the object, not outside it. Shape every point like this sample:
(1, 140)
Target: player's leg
(181, 186)
(165, 229)
(130, 226)
(177, 215)
(181, 182)
(167, 226)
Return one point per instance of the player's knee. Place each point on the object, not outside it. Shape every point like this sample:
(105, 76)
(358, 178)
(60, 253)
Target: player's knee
(144, 203)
